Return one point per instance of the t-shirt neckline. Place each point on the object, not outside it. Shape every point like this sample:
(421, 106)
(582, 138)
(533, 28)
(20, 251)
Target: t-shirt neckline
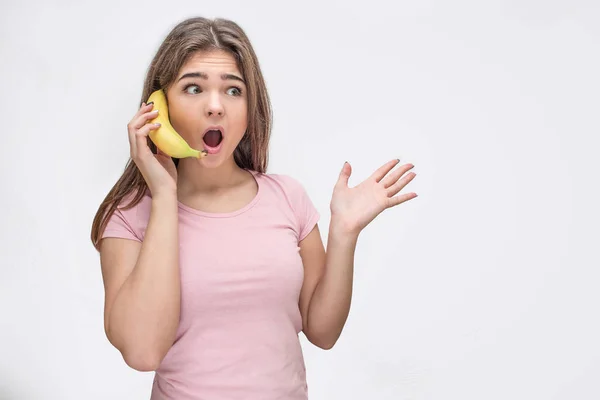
(239, 211)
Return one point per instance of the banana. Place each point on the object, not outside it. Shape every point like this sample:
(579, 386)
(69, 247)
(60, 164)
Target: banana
(165, 137)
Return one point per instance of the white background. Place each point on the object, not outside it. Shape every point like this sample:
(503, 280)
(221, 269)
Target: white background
(483, 287)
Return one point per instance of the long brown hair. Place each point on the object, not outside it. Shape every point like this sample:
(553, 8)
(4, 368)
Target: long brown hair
(185, 39)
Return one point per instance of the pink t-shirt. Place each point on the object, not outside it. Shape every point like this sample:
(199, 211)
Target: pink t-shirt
(241, 275)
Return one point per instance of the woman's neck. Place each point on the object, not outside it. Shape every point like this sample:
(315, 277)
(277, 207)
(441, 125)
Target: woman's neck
(193, 178)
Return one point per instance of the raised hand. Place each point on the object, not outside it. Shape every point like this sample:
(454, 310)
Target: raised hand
(352, 209)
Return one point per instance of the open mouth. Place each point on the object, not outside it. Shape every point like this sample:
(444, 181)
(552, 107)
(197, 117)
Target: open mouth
(213, 137)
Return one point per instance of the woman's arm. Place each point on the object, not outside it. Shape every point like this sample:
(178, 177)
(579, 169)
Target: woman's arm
(327, 290)
(142, 286)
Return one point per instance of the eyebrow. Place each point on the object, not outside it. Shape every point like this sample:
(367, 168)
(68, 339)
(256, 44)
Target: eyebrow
(203, 75)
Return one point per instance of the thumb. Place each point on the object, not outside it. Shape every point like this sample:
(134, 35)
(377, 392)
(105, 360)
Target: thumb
(345, 174)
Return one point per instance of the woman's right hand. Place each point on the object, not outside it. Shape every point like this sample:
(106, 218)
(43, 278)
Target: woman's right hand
(158, 170)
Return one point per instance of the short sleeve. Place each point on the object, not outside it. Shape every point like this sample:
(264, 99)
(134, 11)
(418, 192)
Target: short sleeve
(122, 224)
(305, 211)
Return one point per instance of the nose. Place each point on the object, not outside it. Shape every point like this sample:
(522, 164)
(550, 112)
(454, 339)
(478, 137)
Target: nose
(215, 106)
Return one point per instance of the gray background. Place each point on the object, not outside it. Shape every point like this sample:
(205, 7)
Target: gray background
(484, 287)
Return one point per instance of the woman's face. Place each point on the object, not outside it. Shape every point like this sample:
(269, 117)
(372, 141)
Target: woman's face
(209, 92)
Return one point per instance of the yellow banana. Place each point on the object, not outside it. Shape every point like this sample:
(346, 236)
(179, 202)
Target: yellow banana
(166, 137)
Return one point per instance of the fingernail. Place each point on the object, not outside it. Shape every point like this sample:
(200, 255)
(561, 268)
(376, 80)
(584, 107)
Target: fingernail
(150, 103)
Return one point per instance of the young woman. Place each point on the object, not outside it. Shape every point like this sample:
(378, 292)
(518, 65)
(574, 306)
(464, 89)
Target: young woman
(212, 266)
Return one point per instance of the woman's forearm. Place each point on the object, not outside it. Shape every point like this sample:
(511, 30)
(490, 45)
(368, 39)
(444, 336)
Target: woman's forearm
(330, 304)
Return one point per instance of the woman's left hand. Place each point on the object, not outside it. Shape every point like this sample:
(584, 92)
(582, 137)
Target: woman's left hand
(352, 209)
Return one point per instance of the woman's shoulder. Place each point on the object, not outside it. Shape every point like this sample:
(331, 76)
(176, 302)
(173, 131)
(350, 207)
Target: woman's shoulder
(138, 211)
(129, 201)
(293, 192)
(130, 218)
(284, 182)
(284, 186)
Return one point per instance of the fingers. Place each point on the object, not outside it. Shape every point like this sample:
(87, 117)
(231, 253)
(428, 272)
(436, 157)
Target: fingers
(132, 126)
(145, 130)
(138, 128)
(399, 185)
(141, 136)
(142, 119)
(144, 108)
(383, 170)
(135, 121)
(394, 176)
(394, 201)
(139, 120)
